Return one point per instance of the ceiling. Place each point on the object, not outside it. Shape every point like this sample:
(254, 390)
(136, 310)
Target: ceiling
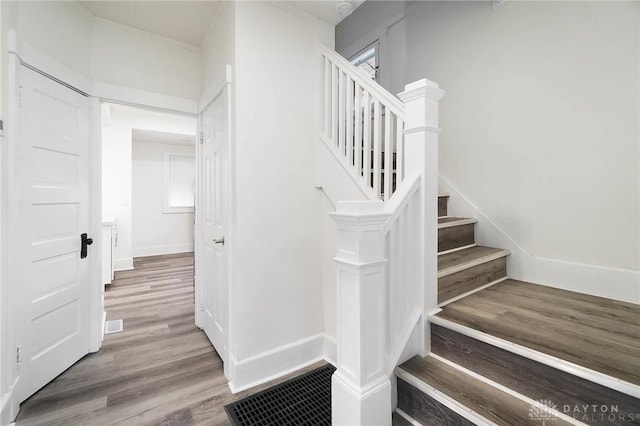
(187, 21)
(143, 135)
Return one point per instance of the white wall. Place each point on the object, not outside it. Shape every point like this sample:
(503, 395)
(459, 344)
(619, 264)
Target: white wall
(155, 232)
(540, 121)
(62, 30)
(129, 57)
(118, 123)
(277, 294)
(217, 50)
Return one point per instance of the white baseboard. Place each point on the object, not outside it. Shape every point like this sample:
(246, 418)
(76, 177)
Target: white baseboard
(612, 283)
(8, 407)
(159, 250)
(276, 362)
(123, 264)
(330, 350)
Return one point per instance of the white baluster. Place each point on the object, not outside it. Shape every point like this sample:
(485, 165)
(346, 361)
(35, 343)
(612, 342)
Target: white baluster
(349, 122)
(327, 96)
(377, 147)
(334, 103)
(399, 151)
(358, 129)
(366, 148)
(341, 112)
(388, 155)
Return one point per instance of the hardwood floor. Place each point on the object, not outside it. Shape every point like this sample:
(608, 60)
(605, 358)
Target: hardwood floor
(600, 334)
(160, 370)
(489, 402)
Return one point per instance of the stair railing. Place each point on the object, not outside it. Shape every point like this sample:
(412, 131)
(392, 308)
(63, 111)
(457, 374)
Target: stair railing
(386, 246)
(363, 126)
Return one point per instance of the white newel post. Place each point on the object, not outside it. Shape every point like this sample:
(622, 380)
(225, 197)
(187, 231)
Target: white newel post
(361, 391)
(421, 99)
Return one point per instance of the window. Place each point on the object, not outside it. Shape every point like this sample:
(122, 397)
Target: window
(367, 60)
(179, 183)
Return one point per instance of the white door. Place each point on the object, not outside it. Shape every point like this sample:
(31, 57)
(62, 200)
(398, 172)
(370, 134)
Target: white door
(51, 211)
(215, 133)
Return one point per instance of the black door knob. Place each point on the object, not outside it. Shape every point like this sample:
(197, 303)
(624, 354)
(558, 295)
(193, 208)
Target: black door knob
(84, 243)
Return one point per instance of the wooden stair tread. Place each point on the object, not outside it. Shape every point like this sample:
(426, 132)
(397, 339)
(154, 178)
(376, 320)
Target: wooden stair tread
(447, 222)
(398, 420)
(487, 401)
(528, 377)
(461, 259)
(599, 334)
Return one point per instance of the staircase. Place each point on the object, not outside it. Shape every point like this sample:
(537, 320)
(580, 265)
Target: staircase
(506, 352)
(463, 343)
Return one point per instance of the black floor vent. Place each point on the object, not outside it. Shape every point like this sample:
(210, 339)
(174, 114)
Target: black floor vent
(303, 400)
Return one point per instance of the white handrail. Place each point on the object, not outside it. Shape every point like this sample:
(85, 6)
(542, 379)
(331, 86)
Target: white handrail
(379, 92)
(363, 125)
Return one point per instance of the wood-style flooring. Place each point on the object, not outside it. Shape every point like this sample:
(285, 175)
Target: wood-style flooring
(599, 334)
(161, 370)
(491, 403)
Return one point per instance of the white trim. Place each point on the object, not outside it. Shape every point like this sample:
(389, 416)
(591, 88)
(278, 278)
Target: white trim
(104, 322)
(117, 94)
(473, 263)
(470, 292)
(32, 57)
(403, 342)
(444, 399)
(504, 389)
(551, 361)
(123, 264)
(330, 350)
(366, 192)
(96, 293)
(407, 417)
(621, 284)
(420, 129)
(275, 363)
(458, 222)
(210, 95)
(9, 406)
(159, 250)
(419, 89)
(440, 253)
(107, 92)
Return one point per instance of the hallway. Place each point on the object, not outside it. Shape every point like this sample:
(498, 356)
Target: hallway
(160, 370)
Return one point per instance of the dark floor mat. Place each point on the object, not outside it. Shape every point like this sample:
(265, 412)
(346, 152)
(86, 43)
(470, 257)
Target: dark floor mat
(303, 400)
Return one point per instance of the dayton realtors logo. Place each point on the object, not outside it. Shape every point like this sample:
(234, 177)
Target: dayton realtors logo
(543, 410)
(546, 410)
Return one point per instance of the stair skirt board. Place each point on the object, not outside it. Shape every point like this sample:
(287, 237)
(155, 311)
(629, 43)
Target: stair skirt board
(552, 361)
(468, 293)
